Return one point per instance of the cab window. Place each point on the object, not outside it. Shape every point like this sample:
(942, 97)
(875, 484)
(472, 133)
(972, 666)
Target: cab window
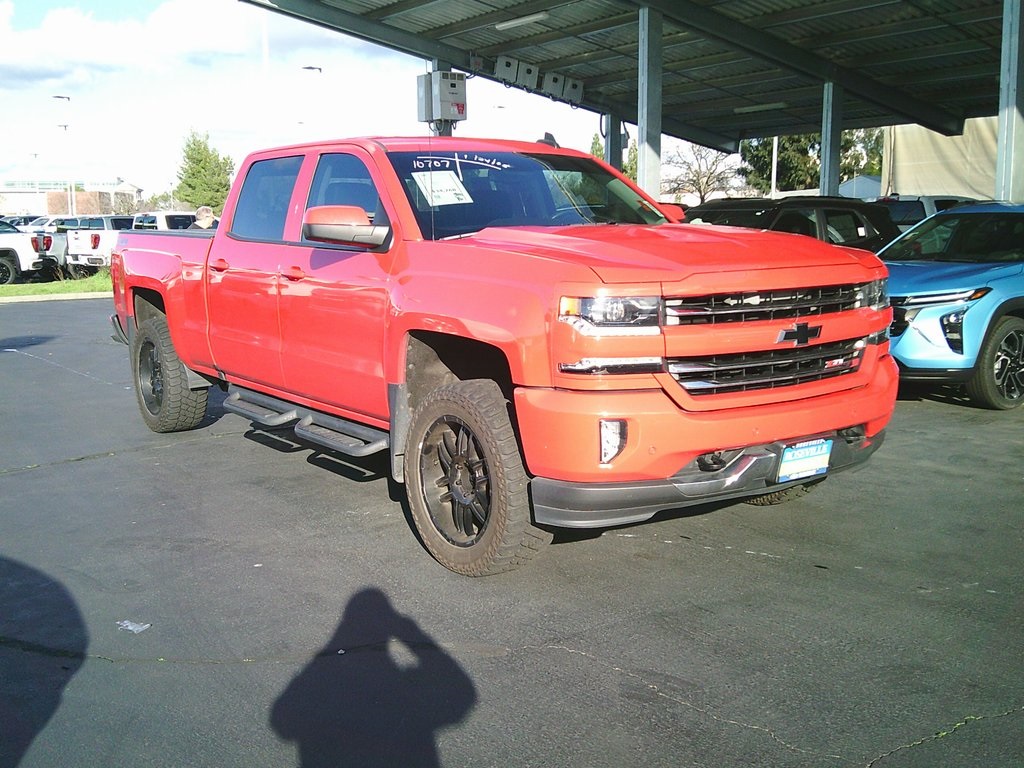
(343, 179)
(262, 206)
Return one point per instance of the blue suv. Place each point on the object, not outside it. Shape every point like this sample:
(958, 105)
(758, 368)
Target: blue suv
(956, 283)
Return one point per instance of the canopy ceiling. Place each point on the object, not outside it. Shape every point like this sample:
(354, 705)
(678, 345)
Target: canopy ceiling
(732, 69)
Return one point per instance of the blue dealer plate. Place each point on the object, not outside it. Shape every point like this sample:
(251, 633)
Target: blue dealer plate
(806, 459)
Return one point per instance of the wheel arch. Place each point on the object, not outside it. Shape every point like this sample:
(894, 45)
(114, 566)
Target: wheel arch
(1010, 308)
(431, 360)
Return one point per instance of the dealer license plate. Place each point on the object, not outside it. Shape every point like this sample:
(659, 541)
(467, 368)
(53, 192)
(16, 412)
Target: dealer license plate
(806, 459)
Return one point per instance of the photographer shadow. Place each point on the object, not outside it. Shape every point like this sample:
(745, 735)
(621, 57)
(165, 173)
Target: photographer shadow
(43, 643)
(375, 695)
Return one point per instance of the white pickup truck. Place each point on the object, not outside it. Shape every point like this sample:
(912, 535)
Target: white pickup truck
(90, 245)
(55, 252)
(18, 256)
(164, 220)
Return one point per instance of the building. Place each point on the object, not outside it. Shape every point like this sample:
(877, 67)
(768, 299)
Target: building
(77, 198)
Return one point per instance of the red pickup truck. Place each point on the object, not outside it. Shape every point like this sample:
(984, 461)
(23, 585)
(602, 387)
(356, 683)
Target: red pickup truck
(533, 340)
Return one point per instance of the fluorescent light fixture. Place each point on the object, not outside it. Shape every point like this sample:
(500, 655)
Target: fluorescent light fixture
(760, 108)
(501, 26)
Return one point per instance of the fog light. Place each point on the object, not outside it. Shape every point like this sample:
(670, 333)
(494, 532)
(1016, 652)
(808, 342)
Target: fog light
(613, 439)
(953, 328)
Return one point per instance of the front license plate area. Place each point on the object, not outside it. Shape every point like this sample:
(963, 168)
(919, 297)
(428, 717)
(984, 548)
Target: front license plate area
(806, 459)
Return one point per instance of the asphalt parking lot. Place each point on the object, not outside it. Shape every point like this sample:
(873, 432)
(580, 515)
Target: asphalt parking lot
(225, 598)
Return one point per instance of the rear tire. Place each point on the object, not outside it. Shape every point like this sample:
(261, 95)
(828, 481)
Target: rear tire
(161, 384)
(79, 271)
(468, 491)
(8, 270)
(998, 382)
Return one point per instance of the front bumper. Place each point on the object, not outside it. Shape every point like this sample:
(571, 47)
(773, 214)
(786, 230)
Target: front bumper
(750, 472)
(934, 374)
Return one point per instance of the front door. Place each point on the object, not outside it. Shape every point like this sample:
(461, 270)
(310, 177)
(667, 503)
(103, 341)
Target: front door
(334, 301)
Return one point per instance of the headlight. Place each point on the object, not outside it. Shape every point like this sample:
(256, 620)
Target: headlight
(612, 315)
(951, 297)
(875, 294)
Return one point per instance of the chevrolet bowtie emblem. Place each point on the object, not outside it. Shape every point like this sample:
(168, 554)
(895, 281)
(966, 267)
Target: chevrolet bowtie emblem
(799, 335)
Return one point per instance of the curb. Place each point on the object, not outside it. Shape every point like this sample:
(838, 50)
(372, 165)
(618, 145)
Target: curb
(57, 297)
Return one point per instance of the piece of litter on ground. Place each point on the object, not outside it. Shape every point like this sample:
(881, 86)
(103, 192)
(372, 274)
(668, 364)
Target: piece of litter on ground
(133, 626)
(341, 651)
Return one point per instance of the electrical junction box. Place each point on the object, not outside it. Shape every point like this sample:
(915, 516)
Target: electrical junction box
(553, 84)
(572, 90)
(506, 69)
(526, 75)
(441, 96)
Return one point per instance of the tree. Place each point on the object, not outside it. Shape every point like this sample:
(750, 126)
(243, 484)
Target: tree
(629, 168)
(797, 162)
(861, 153)
(799, 167)
(205, 176)
(597, 146)
(697, 170)
(165, 201)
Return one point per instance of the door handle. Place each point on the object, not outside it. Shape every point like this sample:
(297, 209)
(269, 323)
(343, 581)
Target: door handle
(219, 265)
(293, 273)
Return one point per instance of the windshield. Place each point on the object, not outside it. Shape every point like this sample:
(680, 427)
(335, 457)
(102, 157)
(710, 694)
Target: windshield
(970, 238)
(454, 194)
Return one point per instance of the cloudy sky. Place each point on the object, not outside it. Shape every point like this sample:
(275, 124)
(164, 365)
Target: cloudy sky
(140, 74)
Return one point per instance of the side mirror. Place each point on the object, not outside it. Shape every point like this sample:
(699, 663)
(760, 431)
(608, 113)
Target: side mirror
(672, 212)
(342, 225)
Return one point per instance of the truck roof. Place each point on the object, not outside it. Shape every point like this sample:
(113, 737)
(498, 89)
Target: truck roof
(422, 143)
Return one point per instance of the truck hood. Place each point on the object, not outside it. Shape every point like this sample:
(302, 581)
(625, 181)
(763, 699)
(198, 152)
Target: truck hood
(624, 253)
(912, 277)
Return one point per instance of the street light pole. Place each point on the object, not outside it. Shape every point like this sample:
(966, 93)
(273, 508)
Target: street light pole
(307, 121)
(67, 146)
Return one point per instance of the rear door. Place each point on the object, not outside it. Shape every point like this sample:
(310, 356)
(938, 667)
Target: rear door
(845, 226)
(243, 274)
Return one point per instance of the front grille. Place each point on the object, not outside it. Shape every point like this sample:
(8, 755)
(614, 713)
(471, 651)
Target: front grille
(743, 372)
(764, 305)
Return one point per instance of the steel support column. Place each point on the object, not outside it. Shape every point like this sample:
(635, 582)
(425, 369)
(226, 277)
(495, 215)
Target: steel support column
(612, 124)
(648, 173)
(831, 138)
(1010, 152)
(442, 127)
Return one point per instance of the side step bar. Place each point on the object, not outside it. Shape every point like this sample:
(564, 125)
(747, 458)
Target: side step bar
(341, 435)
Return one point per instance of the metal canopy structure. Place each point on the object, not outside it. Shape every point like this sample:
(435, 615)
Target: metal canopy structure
(729, 69)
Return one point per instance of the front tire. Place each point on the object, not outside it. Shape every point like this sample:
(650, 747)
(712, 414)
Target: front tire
(998, 382)
(468, 491)
(161, 384)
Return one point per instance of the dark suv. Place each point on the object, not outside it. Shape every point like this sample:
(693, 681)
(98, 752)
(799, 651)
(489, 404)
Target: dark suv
(837, 220)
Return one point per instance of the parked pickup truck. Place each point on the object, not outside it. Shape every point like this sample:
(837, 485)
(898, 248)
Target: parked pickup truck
(163, 220)
(52, 240)
(527, 335)
(19, 257)
(89, 246)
